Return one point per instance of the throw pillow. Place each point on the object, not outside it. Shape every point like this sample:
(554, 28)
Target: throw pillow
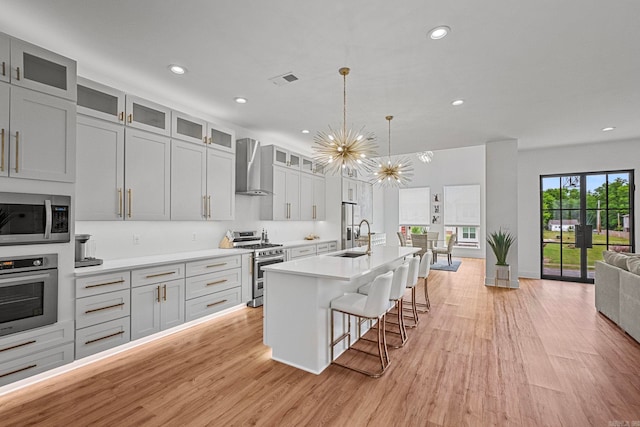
(633, 265)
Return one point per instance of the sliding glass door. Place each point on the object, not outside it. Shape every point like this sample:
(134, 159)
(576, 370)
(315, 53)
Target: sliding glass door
(582, 215)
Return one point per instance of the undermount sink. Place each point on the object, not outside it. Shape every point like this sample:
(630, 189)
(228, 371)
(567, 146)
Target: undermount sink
(350, 254)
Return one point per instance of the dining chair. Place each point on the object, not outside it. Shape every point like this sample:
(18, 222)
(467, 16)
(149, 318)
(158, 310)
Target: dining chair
(403, 240)
(421, 241)
(446, 249)
(432, 237)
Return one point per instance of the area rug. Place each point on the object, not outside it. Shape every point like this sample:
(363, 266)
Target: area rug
(444, 266)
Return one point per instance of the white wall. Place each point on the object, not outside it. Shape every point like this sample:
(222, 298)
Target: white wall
(458, 166)
(570, 159)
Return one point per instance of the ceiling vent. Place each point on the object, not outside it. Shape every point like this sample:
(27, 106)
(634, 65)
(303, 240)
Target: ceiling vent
(283, 79)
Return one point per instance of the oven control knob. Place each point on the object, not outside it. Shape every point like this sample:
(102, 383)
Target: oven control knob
(37, 262)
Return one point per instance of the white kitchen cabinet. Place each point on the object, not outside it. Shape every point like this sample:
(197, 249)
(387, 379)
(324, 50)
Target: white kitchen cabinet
(4, 129)
(147, 172)
(100, 170)
(35, 363)
(35, 68)
(22, 344)
(221, 185)
(42, 136)
(100, 101)
(147, 115)
(311, 166)
(312, 197)
(187, 128)
(102, 336)
(157, 307)
(281, 157)
(5, 57)
(349, 190)
(286, 197)
(221, 138)
(188, 181)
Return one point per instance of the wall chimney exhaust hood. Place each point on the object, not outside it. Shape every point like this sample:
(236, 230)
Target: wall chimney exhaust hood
(248, 168)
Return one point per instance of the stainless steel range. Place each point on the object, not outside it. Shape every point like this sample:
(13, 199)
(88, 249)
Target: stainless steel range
(264, 253)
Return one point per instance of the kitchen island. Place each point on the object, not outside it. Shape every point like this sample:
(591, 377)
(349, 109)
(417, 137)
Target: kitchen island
(298, 294)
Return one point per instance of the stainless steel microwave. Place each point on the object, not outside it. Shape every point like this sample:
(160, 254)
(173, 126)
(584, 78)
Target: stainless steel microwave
(34, 218)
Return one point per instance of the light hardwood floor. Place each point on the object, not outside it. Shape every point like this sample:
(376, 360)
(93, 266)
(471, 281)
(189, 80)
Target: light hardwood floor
(537, 356)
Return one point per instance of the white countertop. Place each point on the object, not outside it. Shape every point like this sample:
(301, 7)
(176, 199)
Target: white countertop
(331, 266)
(294, 243)
(150, 261)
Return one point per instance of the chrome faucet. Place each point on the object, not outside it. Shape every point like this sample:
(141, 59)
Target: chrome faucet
(368, 234)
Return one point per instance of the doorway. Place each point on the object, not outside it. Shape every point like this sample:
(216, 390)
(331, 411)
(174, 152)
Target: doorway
(582, 215)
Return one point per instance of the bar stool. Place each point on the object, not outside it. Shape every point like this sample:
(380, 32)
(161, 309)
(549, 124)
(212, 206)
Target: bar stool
(412, 281)
(398, 286)
(372, 306)
(423, 273)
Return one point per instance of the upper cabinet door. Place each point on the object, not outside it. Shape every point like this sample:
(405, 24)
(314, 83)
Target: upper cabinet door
(5, 69)
(146, 115)
(4, 129)
(43, 136)
(221, 185)
(36, 68)
(221, 138)
(188, 181)
(307, 165)
(307, 208)
(188, 128)
(100, 101)
(319, 198)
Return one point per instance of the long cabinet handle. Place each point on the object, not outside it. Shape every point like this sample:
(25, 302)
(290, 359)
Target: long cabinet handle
(158, 289)
(17, 370)
(204, 206)
(4, 68)
(2, 162)
(17, 150)
(115, 282)
(130, 196)
(217, 265)
(150, 276)
(17, 346)
(209, 203)
(164, 292)
(104, 308)
(17, 73)
(120, 202)
(104, 338)
(216, 303)
(216, 282)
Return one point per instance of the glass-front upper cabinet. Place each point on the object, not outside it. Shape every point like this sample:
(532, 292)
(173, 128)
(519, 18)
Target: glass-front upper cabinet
(221, 138)
(149, 116)
(307, 165)
(188, 128)
(5, 72)
(100, 101)
(35, 68)
(282, 157)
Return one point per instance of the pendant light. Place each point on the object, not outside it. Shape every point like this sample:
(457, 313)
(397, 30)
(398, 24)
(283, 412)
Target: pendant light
(393, 173)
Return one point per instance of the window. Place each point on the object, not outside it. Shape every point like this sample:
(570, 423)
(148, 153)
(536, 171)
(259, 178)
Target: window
(468, 233)
(462, 214)
(413, 206)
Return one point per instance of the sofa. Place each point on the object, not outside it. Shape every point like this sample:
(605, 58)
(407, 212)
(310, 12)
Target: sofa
(617, 284)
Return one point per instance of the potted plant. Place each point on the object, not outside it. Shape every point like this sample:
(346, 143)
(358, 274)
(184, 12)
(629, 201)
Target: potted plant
(500, 242)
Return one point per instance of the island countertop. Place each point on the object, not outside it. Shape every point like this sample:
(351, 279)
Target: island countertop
(332, 266)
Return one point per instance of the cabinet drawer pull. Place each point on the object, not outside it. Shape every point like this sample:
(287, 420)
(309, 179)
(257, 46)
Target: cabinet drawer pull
(216, 282)
(104, 308)
(217, 265)
(2, 162)
(17, 73)
(17, 346)
(104, 338)
(115, 282)
(17, 370)
(160, 274)
(216, 303)
(306, 250)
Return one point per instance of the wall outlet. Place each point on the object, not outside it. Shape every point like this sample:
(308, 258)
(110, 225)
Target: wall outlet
(194, 237)
(136, 239)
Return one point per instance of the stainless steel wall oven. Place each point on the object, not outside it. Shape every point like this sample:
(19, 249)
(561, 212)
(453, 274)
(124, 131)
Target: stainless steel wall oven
(28, 292)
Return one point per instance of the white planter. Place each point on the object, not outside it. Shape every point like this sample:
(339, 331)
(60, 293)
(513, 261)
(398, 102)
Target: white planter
(503, 276)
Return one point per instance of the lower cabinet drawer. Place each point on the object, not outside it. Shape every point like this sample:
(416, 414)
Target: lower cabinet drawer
(333, 246)
(303, 251)
(206, 284)
(213, 303)
(25, 343)
(104, 336)
(102, 308)
(35, 363)
(102, 283)
(162, 273)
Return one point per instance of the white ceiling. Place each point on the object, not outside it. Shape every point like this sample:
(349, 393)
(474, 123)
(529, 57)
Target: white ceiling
(545, 72)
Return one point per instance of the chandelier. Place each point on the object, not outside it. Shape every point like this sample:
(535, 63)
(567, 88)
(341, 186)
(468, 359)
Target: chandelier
(425, 156)
(394, 173)
(345, 148)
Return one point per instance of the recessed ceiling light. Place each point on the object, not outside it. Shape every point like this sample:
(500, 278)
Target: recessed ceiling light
(457, 102)
(305, 130)
(240, 100)
(439, 32)
(177, 69)
(607, 129)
